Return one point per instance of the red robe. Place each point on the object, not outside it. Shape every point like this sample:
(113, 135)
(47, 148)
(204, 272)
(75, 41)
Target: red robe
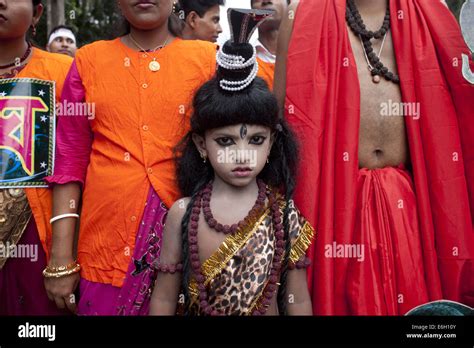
(323, 106)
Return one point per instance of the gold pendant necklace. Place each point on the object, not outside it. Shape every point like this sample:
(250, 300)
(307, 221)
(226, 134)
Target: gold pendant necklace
(154, 65)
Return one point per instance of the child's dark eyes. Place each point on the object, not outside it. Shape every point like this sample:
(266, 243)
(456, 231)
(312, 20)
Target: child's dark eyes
(257, 140)
(225, 141)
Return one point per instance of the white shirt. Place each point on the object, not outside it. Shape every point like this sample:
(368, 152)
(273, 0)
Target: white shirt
(263, 53)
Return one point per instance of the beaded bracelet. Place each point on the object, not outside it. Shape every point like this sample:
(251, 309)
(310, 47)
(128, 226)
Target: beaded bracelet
(171, 269)
(303, 262)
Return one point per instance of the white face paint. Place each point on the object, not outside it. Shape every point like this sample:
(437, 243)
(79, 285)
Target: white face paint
(466, 70)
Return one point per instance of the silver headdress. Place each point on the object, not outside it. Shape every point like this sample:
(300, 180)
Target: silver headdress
(237, 58)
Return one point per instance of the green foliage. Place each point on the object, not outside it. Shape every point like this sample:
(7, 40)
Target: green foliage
(91, 20)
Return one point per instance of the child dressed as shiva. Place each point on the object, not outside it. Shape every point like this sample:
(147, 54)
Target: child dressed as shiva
(236, 244)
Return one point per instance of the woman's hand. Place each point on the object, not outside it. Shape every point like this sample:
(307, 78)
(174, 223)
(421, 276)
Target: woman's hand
(61, 290)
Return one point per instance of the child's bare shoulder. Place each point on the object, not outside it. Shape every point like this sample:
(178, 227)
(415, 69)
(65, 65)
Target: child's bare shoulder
(171, 232)
(177, 210)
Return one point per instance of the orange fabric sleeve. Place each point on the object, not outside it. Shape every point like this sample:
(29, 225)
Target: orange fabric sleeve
(51, 67)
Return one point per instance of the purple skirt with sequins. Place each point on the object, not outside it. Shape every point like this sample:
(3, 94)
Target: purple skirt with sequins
(133, 298)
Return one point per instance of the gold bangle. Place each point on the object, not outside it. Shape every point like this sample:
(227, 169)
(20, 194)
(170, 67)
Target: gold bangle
(62, 268)
(48, 274)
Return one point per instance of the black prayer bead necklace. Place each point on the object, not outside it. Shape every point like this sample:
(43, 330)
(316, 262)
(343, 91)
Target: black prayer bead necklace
(376, 67)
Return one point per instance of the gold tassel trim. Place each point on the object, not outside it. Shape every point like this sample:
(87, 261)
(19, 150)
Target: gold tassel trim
(231, 245)
(298, 249)
(302, 243)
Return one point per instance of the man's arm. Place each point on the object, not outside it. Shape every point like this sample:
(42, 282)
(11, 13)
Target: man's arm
(284, 37)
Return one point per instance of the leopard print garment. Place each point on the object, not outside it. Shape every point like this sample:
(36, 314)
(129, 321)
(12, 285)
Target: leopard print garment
(240, 277)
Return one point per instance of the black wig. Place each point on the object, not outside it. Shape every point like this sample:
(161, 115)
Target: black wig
(215, 108)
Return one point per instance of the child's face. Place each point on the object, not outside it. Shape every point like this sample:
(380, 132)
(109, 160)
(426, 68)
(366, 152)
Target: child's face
(146, 14)
(237, 153)
(16, 17)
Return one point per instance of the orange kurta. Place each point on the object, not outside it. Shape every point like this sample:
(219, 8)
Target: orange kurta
(267, 72)
(52, 67)
(140, 116)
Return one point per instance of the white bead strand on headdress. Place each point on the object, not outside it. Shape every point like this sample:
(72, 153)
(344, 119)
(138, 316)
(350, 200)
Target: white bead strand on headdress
(234, 62)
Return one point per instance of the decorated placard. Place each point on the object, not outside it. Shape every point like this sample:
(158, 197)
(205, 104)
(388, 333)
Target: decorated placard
(27, 132)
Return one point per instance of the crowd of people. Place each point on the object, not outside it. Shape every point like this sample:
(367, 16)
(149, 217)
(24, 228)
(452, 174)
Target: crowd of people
(326, 168)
